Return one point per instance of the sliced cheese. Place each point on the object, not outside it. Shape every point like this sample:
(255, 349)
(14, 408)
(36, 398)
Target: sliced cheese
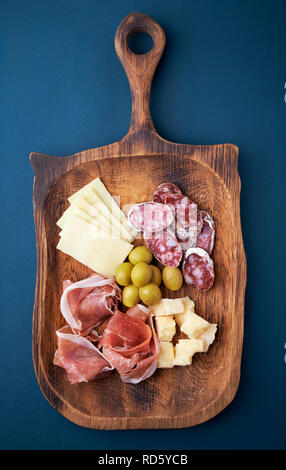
(99, 188)
(168, 307)
(82, 241)
(102, 230)
(80, 191)
(90, 195)
(166, 356)
(84, 205)
(62, 220)
(92, 215)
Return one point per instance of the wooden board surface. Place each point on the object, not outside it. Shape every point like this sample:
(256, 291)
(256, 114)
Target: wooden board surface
(131, 169)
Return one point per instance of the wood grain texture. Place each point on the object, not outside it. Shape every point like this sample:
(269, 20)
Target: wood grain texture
(131, 169)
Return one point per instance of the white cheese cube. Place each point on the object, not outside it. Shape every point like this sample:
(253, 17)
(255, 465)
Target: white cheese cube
(194, 325)
(189, 306)
(166, 355)
(168, 307)
(185, 349)
(165, 328)
(208, 335)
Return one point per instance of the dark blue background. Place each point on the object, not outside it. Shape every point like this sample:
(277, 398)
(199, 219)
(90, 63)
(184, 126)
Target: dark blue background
(62, 90)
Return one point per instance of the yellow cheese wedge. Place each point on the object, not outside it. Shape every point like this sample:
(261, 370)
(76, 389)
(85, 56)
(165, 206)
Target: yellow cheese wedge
(82, 241)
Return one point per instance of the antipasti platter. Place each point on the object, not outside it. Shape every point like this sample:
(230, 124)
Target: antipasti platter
(141, 271)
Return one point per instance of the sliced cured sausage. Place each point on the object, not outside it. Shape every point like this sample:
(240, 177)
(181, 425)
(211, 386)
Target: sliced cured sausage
(163, 190)
(207, 234)
(131, 346)
(86, 303)
(188, 220)
(165, 247)
(150, 217)
(198, 269)
(80, 358)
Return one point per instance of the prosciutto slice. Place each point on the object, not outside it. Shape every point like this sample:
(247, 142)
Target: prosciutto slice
(86, 303)
(80, 358)
(131, 346)
(138, 311)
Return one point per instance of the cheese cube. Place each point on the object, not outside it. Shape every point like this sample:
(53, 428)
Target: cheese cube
(166, 355)
(189, 306)
(192, 324)
(185, 349)
(168, 307)
(208, 335)
(165, 327)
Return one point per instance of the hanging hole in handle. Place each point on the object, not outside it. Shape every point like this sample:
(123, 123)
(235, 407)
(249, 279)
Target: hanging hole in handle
(140, 42)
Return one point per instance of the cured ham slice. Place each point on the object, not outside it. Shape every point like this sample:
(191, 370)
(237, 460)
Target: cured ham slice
(86, 303)
(138, 311)
(131, 346)
(80, 358)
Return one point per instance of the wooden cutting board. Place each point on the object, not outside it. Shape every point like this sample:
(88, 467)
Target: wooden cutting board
(131, 169)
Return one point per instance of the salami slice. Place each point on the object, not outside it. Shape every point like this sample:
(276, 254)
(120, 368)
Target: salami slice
(207, 234)
(165, 247)
(163, 190)
(150, 217)
(198, 269)
(188, 219)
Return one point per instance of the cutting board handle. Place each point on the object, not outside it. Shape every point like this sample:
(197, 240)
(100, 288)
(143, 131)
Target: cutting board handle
(139, 68)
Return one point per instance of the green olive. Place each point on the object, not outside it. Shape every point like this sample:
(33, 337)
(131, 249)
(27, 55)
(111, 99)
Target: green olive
(123, 274)
(140, 254)
(130, 295)
(150, 294)
(172, 278)
(156, 275)
(141, 274)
